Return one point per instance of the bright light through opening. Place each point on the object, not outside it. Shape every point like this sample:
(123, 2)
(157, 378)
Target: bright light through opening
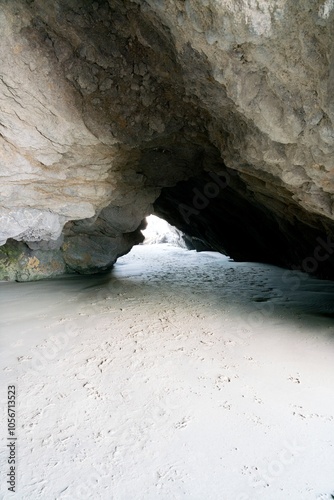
(159, 231)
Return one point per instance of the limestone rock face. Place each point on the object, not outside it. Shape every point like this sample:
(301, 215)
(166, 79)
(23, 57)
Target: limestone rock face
(110, 110)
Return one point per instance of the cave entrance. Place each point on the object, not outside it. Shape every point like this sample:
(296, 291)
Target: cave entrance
(159, 231)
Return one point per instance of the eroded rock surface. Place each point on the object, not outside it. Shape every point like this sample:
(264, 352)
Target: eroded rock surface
(110, 107)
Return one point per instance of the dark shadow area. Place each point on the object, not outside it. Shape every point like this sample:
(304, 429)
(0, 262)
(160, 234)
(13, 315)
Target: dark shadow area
(256, 292)
(224, 214)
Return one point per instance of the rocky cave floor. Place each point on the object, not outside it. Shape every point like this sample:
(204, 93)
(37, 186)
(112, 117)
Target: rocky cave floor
(179, 375)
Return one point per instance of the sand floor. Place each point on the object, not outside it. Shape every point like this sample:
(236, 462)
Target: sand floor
(178, 376)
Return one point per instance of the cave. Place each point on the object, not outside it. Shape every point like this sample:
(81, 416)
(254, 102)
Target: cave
(115, 110)
(200, 366)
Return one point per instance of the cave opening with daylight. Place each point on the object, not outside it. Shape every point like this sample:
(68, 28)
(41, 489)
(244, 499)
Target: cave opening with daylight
(158, 230)
(148, 371)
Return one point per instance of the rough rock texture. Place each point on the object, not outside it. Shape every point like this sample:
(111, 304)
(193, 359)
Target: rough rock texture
(107, 106)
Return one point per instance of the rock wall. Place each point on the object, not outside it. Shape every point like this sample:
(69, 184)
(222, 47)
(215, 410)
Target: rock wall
(110, 107)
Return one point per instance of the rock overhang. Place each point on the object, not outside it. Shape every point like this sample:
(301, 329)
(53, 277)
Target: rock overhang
(111, 110)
